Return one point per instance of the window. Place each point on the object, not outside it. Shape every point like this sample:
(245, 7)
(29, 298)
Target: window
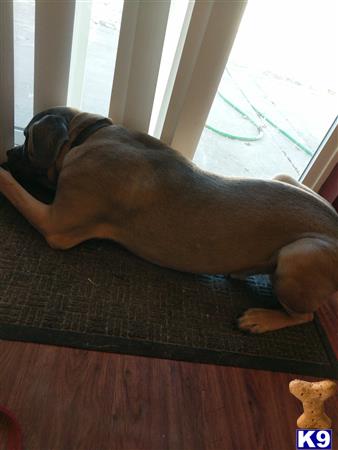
(278, 95)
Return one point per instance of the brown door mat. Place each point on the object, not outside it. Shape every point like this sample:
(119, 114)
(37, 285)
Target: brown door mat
(98, 296)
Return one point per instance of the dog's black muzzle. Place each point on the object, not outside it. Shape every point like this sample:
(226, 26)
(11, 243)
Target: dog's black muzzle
(19, 164)
(21, 167)
(17, 156)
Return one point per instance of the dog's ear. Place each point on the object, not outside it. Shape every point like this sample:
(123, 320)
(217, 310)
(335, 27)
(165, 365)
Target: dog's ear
(45, 140)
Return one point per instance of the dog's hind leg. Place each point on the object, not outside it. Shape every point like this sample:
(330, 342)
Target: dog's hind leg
(289, 180)
(306, 276)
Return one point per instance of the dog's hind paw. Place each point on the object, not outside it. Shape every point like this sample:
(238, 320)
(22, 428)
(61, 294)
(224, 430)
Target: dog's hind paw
(260, 320)
(255, 320)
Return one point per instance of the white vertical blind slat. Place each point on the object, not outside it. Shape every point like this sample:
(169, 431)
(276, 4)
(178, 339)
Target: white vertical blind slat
(6, 78)
(210, 37)
(79, 52)
(173, 71)
(54, 22)
(138, 60)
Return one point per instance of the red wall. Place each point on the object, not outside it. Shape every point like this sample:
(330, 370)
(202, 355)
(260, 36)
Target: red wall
(329, 190)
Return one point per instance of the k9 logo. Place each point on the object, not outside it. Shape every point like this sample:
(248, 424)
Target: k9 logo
(316, 439)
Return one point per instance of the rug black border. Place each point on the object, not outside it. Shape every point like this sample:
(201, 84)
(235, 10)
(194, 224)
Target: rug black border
(96, 342)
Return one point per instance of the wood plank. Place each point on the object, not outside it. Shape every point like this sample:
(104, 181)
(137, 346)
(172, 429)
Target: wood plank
(72, 399)
(328, 315)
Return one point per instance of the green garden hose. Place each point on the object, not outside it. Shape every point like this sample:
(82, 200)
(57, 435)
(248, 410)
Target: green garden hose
(245, 116)
(259, 128)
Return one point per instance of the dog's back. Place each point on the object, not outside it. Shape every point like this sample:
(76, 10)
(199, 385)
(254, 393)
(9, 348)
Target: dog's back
(176, 210)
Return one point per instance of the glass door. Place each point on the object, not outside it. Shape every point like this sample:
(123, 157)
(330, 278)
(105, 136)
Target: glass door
(278, 95)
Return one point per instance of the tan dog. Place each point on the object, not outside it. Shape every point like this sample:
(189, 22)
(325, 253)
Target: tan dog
(127, 186)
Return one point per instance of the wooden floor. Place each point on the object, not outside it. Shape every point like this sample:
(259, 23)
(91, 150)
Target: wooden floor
(68, 399)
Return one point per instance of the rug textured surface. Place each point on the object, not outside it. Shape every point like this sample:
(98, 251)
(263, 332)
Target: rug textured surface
(99, 296)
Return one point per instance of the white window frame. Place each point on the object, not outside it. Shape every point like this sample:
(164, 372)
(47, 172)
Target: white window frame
(324, 160)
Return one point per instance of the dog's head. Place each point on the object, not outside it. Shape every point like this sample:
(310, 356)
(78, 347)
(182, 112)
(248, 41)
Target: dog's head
(45, 135)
